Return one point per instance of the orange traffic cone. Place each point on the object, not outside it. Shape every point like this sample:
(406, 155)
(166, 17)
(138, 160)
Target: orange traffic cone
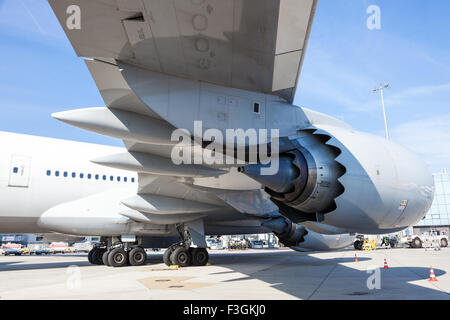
(432, 276)
(385, 264)
(356, 258)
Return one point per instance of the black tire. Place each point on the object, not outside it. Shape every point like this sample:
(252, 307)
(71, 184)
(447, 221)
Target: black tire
(90, 254)
(97, 256)
(118, 257)
(181, 257)
(166, 256)
(105, 258)
(137, 256)
(356, 244)
(444, 243)
(200, 256)
(417, 243)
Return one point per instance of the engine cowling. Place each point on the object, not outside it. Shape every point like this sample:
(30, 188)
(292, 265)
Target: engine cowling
(306, 183)
(350, 180)
(300, 238)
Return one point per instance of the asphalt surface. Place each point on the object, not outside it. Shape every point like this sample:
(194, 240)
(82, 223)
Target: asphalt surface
(246, 274)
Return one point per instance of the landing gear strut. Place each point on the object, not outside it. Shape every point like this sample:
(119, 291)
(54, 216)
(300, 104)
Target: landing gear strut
(182, 254)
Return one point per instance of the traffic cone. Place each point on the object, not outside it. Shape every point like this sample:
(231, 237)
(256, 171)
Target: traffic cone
(385, 264)
(432, 276)
(356, 258)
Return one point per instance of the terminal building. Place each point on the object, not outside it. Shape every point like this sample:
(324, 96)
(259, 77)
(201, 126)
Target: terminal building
(438, 218)
(22, 239)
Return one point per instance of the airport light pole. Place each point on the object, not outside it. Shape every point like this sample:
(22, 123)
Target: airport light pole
(380, 89)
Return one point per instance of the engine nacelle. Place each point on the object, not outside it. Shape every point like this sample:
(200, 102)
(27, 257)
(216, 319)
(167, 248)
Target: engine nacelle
(307, 179)
(299, 238)
(350, 180)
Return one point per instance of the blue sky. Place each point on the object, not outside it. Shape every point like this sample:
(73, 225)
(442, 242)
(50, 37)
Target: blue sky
(40, 74)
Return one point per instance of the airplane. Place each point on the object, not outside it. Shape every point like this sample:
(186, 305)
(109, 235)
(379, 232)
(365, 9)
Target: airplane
(51, 185)
(176, 77)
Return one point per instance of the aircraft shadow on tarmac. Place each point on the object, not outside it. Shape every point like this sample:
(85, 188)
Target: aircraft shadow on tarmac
(307, 277)
(20, 264)
(297, 274)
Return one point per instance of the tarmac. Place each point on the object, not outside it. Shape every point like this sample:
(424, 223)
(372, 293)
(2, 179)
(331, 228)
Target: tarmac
(246, 274)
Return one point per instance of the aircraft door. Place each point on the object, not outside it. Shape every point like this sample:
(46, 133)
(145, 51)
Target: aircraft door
(20, 169)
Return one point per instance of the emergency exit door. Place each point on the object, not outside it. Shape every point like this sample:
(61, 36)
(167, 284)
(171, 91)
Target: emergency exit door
(20, 169)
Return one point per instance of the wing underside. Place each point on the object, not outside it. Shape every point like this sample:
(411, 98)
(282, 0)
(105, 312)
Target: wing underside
(255, 45)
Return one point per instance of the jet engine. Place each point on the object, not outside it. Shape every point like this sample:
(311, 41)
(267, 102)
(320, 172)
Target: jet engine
(347, 179)
(307, 180)
(299, 238)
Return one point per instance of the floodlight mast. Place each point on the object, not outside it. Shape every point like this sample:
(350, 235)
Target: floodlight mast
(381, 90)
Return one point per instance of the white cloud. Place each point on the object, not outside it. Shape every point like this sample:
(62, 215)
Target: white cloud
(429, 138)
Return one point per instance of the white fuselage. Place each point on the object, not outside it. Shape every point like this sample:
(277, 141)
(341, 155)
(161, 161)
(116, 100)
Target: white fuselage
(38, 173)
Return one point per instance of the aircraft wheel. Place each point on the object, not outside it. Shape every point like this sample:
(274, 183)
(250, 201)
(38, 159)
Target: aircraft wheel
(166, 256)
(181, 257)
(137, 256)
(97, 256)
(200, 256)
(90, 254)
(118, 257)
(105, 258)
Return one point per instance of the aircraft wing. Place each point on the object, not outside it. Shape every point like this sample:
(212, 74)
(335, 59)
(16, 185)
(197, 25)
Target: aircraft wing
(256, 45)
(247, 44)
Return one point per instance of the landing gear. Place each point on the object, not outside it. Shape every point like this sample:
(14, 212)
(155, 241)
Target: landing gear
(122, 251)
(105, 258)
(200, 256)
(115, 253)
(95, 255)
(91, 252)
(137, 256)
(182, 254)
(118, 257)
(183, 257)
(167, 254)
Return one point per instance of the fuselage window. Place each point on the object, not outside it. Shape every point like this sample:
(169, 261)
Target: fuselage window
(65, 174)
(111, 178)
(89, 175)
(49, 172)
(256, 107)
(125, 179)
(96, 177)
(132, 180)
(104, 177)
(57, 173)
(73, 175)
(81, 175)
(15, 169)
(118, 179)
